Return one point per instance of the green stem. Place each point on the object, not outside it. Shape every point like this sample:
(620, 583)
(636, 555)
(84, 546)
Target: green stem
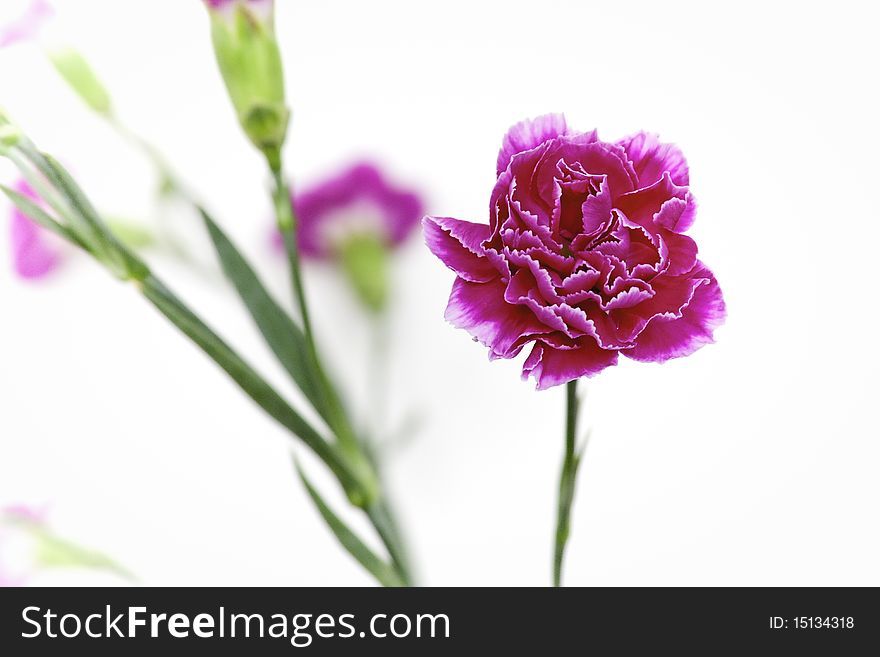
(250, 381)
(567, 480)
(287, 225)
(378, 510)
(166, 174)
(286, 220)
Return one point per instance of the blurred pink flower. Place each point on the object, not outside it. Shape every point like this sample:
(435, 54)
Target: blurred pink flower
(13, 572)
(356, 200)
(27, 25)
(33, 253)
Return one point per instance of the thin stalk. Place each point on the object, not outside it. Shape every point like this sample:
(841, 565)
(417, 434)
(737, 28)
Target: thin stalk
(287, 224)
(378, 511)
(567, 481)
(166, 174)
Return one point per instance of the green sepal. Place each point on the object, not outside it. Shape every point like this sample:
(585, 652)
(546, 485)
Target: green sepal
(364, 259)
(250, 62)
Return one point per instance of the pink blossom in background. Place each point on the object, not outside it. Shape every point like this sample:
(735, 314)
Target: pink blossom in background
(15, 563)
(584, 257)
(26, 26)
(33, 253)
(357, 200)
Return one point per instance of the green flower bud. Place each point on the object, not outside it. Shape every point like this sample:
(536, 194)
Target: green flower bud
(243, 33)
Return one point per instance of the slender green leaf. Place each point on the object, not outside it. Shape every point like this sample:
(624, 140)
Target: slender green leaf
(382, 519)
(251, 383)
(119, 259)
(82, 217)
(283, 336)
(56, 552)
(377, 567)
(37, 214)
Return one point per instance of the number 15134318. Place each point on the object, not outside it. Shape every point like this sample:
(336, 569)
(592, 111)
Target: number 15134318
(812, 623)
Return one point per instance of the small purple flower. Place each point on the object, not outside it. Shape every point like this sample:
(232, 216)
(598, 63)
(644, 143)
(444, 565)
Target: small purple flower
(356, 201)
(28, 25)
(33, 253)
(584, 257)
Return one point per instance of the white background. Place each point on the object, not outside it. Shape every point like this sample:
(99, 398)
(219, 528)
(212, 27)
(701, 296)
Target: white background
(752, 462)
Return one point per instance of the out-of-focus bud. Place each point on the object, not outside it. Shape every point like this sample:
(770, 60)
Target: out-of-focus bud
(364, 259)
(77, 72)
(356, 218)
(243, 32)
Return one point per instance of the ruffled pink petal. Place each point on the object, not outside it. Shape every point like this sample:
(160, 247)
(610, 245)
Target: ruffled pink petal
(644, 206)
(480, 309)
(459, 245)
(550, 366)
(528, 134)
(681, 252)
(677, 214)
(651, 159)
(664, 337)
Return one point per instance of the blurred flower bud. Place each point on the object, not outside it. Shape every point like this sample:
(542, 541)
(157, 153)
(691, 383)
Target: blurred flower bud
(243, 33)
(356, 218)
(77, 72)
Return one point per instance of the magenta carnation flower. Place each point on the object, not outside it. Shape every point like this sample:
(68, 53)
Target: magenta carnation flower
(33, 253)
(357, 201)
(584, 256)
